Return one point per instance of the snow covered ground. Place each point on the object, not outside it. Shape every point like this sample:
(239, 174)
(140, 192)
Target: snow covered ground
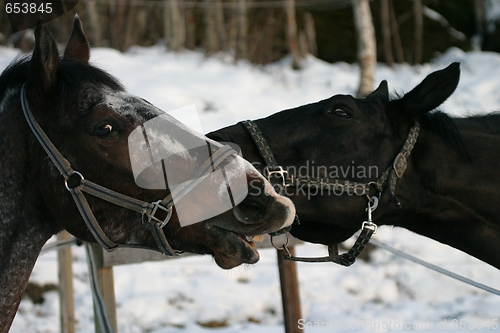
(178, 296)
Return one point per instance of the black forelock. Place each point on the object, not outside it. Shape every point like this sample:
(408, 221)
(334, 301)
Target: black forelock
(71, 76)
(14, 75)
(74, 74)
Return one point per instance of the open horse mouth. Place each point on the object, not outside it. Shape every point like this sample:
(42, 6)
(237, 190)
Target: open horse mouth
(236, 242)
(234, 248)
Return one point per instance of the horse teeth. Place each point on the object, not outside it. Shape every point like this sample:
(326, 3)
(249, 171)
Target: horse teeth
(258, 238)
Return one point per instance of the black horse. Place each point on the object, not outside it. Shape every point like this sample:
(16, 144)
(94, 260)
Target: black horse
(446, 188)
(87, 116)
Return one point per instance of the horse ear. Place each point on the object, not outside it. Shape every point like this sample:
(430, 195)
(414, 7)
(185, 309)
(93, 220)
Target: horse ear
(380, 94)
(431, 92)
(78, 46)
(43, 64)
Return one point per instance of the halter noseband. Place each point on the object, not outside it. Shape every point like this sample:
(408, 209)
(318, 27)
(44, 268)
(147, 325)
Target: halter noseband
(75, 183)
(368, 228)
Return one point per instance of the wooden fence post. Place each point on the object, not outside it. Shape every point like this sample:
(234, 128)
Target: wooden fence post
(66, 299)
(289, 292)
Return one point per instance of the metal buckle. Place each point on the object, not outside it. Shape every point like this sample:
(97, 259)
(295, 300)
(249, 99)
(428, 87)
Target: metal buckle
(272, 170)
(400, 165)
(151, 216)
(369, 225)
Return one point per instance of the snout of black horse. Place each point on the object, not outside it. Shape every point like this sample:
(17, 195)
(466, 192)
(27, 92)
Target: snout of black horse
(254, 204)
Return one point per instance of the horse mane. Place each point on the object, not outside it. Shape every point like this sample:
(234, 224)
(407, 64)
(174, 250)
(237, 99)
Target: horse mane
(14, 74)
(70, 74)
(489, 122)
(444, 125)
(441, 124)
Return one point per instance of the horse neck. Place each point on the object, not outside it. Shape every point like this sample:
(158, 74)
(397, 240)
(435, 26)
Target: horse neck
(452, 199)
(22, 228)
(20, 247)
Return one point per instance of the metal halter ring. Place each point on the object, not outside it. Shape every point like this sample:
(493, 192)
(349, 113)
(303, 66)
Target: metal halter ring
(373, 202)
(283, 247)
(74, 173)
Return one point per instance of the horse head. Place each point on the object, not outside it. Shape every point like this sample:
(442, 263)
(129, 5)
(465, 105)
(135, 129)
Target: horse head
(354, 141)
(89, 118)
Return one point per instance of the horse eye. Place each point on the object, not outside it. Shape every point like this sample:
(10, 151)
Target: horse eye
(341, 113)
(104, 130)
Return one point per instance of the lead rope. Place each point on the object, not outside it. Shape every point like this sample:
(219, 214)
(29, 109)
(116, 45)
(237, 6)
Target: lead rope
(435, 268)
(368, 229)
(101, 312)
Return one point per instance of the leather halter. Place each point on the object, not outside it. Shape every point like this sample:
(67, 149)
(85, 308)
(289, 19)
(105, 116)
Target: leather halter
(388, 178)
(75, 183)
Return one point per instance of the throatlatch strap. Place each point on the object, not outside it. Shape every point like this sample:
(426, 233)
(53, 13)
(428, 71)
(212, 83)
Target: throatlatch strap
(90, 220)
(398, 168)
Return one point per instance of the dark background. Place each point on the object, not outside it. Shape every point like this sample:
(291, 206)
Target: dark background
(123, 23)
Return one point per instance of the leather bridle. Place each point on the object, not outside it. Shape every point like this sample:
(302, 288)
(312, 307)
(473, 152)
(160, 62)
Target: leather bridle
(76, 184)
(388, 180)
